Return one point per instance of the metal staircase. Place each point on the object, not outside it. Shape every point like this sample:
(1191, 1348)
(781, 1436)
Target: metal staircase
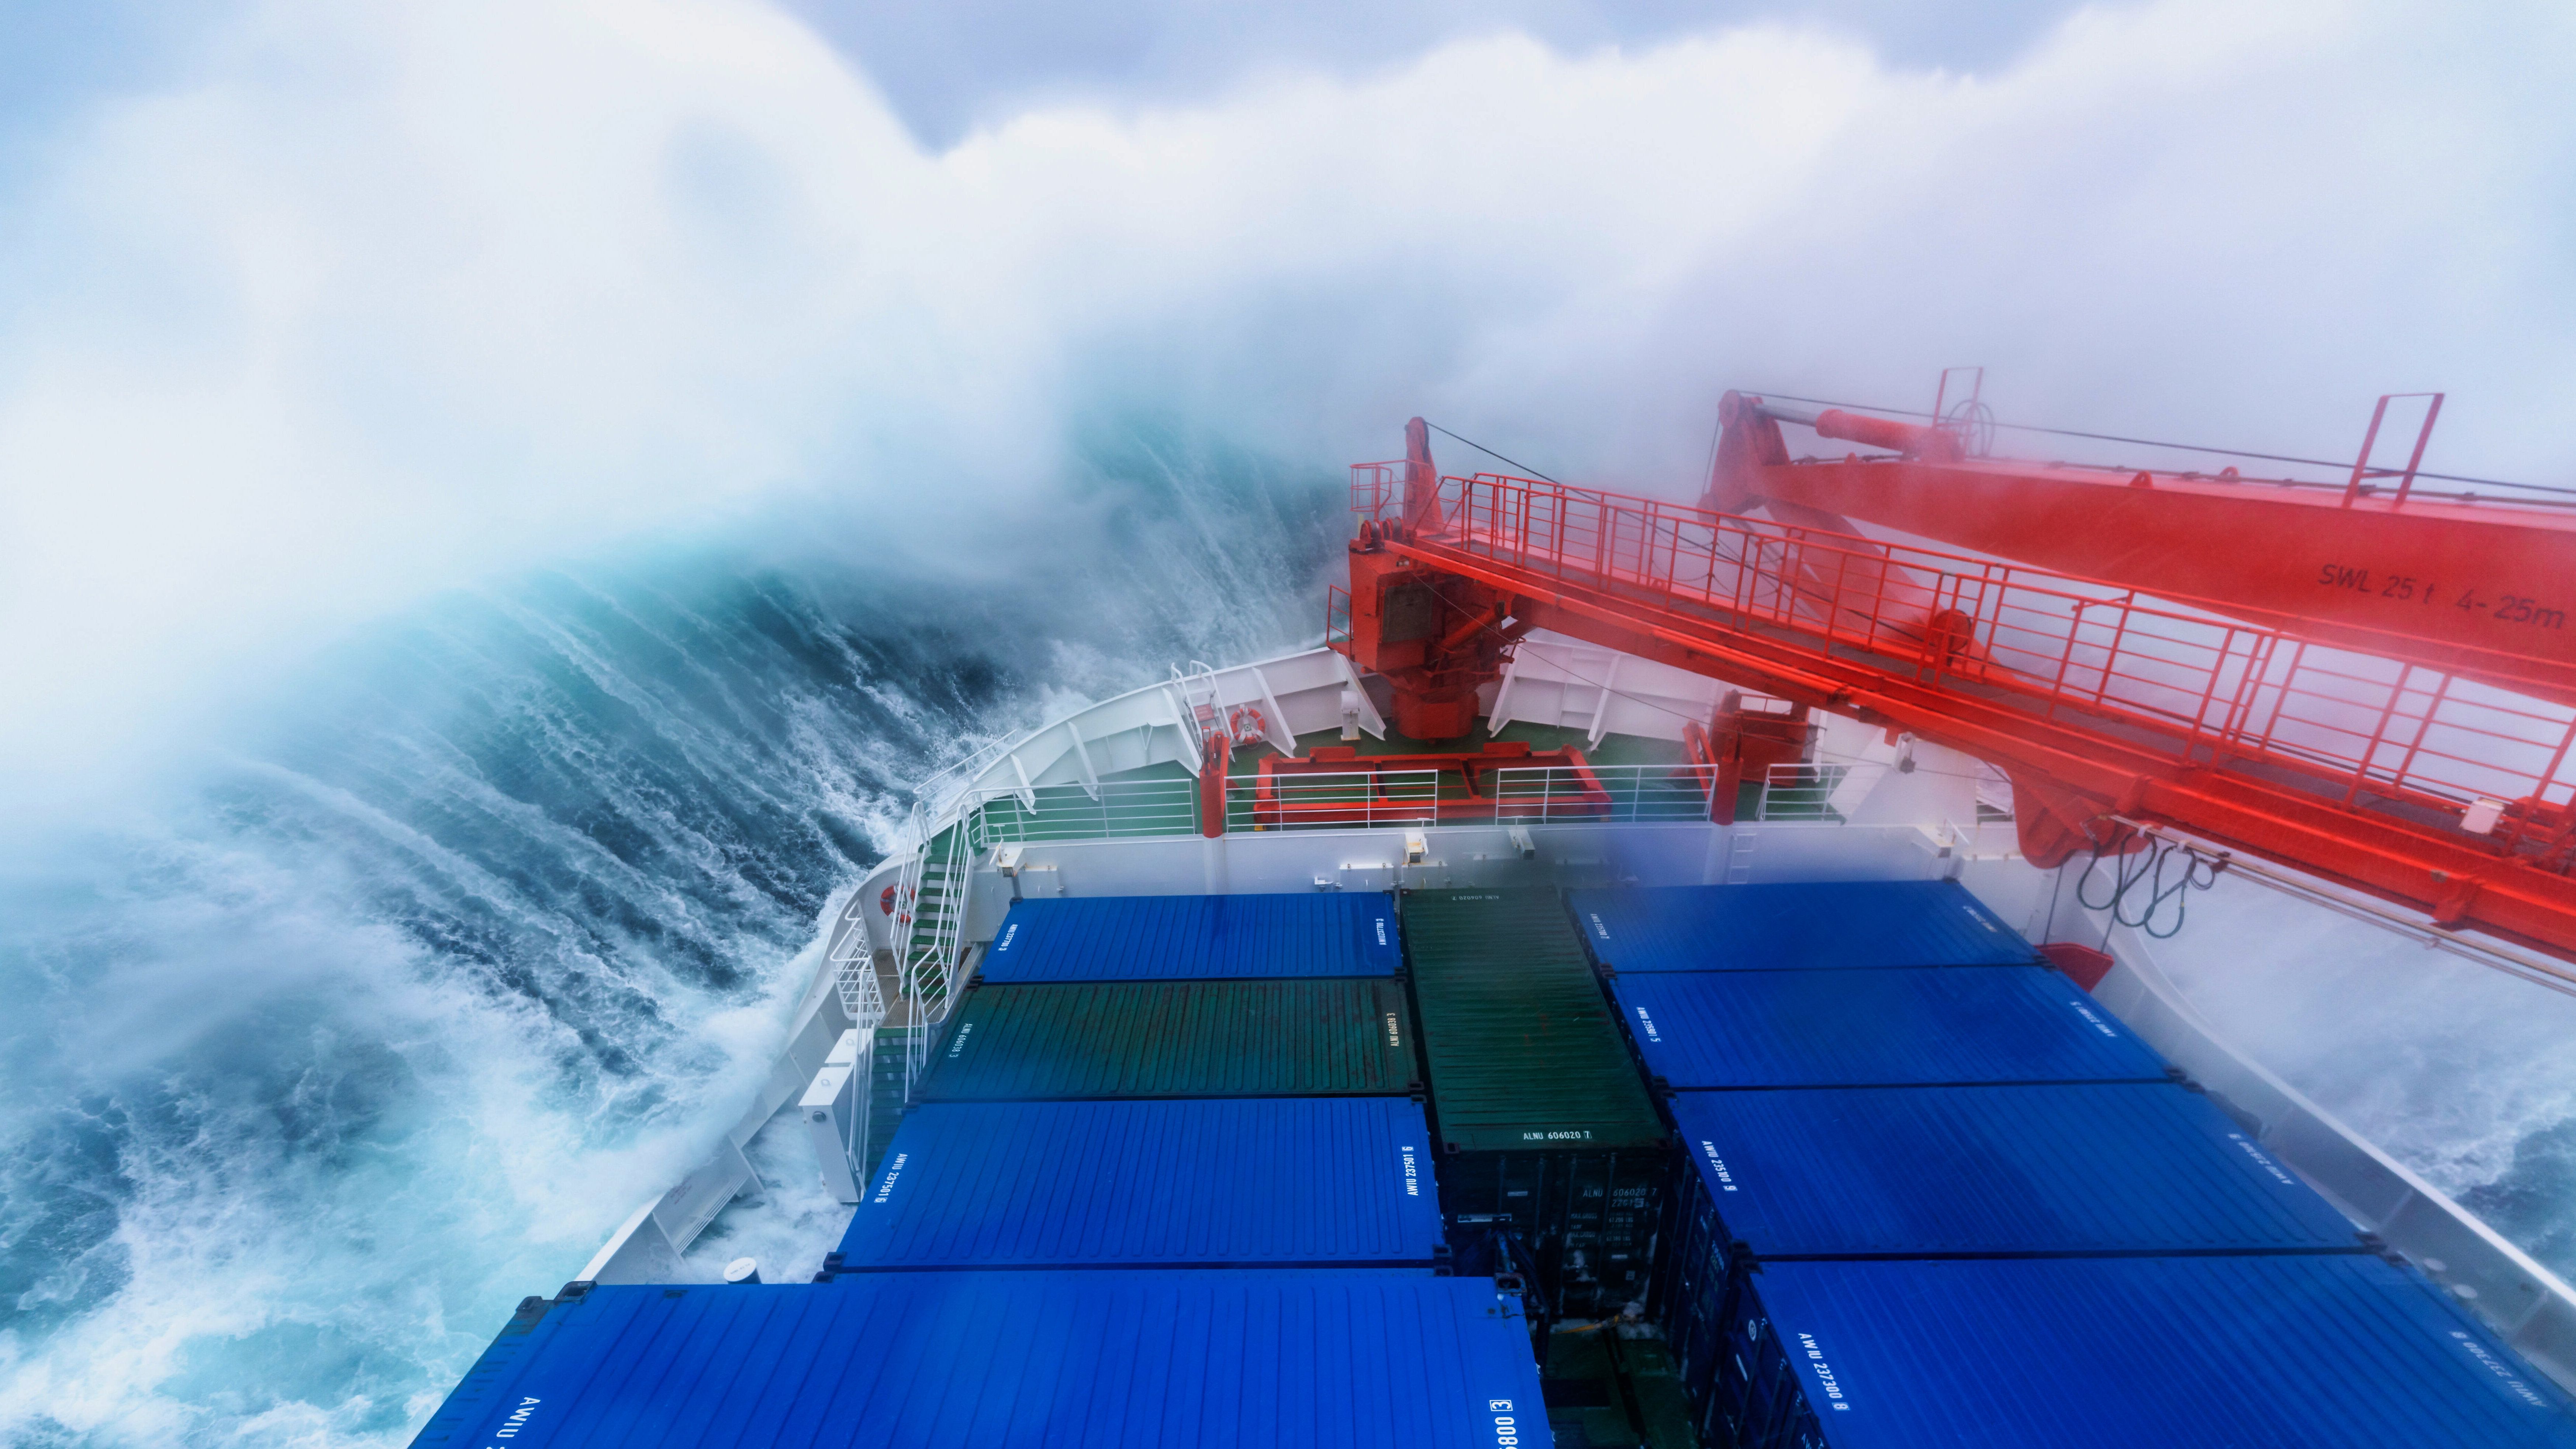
(930, 919)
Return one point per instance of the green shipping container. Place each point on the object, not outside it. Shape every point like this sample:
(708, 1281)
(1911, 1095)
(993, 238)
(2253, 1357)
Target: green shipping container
(1552, 1151)
(1288, 1038)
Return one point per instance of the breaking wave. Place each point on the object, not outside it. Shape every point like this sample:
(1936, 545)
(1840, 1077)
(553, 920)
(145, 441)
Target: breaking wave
(318, 1066)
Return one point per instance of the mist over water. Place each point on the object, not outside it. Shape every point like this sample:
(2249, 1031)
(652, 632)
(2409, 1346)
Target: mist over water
(496, 501)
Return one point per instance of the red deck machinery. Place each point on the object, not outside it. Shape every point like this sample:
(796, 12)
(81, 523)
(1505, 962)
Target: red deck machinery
(2370, 686)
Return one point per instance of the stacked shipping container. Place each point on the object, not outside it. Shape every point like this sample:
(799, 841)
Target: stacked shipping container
(1009, 1360)
(1553, 1157)
(1225, 1182)
(1153, 1083)
(1195, 938)
(1937, 1199)
(1177, 1088)
(1817, 925)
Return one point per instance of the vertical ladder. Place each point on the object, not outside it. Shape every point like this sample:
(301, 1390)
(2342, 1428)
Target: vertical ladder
(1739, 856)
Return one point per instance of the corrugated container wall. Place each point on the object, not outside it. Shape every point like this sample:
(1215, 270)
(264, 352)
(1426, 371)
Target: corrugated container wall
(1179, 938)
(1808, 926)
(1247, 1182)
(1081, 1360)
(1545, 1126)
(1915, 1026)
(2130, 1167)
(2289, 1352)
(2095, 1168)
(1174, 1039)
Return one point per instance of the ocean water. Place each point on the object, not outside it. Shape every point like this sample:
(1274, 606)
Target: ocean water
(393, 1006)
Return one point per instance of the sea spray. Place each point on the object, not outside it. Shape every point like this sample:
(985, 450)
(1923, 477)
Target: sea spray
(474, 941)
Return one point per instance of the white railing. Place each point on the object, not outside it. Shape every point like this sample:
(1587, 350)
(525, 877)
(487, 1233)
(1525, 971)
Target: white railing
(1378, 799)
(1800, 792)
(1334, 800)
(929, 956)
(855, 980)
(1067, 812)
(928, 928)
(1603, 794)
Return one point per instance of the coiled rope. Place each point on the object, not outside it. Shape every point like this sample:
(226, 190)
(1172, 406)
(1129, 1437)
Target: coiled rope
(2197, 872)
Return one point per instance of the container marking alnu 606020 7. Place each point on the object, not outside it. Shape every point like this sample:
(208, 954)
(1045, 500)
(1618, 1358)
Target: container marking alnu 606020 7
(1196, 938)
(1808, 926)
(1247, 1182)
(1172, 1359)
(1294, 1038)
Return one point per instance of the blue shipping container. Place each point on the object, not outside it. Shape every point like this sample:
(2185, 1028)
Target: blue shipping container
(1919, 1026)
(1248, 1182)
(1811, 926)
(1197, 938)
(1148, 1360)
(2127, 1167)
(2094, 1168)
(2289, 1352)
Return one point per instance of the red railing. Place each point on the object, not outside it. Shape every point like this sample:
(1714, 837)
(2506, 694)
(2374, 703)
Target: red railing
(1373, 488)
(2201, 686)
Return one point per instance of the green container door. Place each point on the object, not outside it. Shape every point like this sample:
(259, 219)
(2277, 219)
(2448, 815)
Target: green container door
(1309, 1038)
(1553, 1156)
(1524, 1052)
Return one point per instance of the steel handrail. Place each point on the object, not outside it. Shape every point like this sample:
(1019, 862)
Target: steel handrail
(2217, 688)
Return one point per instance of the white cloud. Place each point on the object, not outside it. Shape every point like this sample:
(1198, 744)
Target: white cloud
(384, 299)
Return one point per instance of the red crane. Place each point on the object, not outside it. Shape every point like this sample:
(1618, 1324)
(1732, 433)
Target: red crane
(2442, 581)
(2167, 660)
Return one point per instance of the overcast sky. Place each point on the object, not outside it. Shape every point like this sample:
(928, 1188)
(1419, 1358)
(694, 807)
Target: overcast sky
(948, 65)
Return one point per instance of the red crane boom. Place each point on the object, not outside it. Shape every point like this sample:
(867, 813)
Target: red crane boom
(2379, 569)
(2416, 765)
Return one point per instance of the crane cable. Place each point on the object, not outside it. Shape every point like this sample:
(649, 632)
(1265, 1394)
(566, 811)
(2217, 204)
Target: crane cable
(1490, 453)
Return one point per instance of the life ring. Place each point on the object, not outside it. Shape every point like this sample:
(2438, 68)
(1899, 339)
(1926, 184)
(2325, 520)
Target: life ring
(885, 902)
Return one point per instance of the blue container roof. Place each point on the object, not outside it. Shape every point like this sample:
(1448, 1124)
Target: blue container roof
(2322, 1352)
(1905, 1027)
(1186, 938)
(1066, 1360)
(2094, 1168)
(1808, 926)
(1245, 1182)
